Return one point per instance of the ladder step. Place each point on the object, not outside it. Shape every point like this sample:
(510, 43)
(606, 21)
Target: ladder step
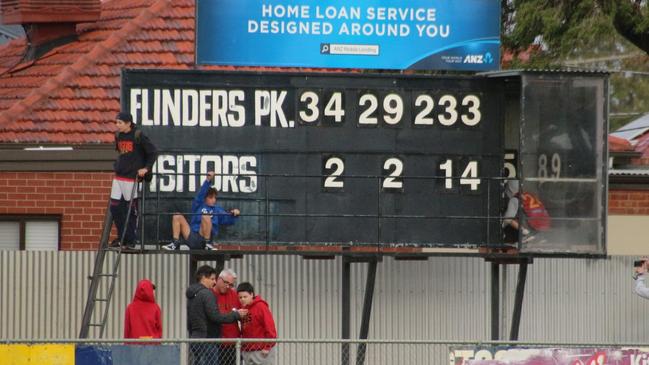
(104, 275)
(101, 300)
(95, 324)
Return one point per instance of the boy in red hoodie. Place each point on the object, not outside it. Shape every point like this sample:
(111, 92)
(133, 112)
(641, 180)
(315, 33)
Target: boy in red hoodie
(258, 324)
(142, 318)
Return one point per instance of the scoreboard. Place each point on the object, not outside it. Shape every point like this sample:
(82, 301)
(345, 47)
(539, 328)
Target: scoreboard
(384, 160)
(357, 159)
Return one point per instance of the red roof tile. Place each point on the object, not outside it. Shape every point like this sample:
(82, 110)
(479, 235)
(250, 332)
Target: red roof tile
(71, 94)
(642, 145)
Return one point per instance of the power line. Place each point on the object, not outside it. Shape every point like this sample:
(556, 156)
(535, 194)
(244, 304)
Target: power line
(603, 59)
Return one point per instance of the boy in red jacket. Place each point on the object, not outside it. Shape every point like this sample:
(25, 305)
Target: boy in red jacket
(258, 324)
(142, 318)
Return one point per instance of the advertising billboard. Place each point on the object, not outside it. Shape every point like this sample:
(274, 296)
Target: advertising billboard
(386, 34)
(505, 355)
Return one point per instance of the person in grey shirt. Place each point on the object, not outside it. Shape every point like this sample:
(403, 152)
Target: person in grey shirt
(511, 226)
(640, 276)
(203, 317)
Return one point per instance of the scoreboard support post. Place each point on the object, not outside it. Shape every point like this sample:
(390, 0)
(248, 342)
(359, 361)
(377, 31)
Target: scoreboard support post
(368, 299)
(346, 309)
(518, 300)
(367, 310)
(517, 310)
(495, 301)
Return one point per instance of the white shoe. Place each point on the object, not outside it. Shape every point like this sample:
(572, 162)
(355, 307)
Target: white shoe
(171, 247)
(209, 246)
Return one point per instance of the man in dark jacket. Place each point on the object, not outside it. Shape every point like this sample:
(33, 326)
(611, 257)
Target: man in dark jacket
(203, 317)
(136, 158)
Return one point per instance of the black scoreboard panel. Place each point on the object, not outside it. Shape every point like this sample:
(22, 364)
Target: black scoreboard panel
(327, 159)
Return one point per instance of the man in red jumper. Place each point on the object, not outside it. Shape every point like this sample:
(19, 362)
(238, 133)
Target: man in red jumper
(227, 300)
(143, 318)
(258, 324)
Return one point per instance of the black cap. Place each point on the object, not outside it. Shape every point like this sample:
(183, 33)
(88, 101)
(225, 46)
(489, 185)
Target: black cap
(124, 116)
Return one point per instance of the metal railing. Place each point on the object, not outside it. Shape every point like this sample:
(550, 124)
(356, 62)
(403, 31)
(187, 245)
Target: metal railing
(342, 351)
(155, 212)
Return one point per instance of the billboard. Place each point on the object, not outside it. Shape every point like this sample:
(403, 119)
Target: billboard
(386, 34)
(501, 355)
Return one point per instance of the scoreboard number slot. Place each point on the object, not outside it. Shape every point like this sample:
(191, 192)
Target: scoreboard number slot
(393, 107)
(392, 171)
(310, 112)
(553, 171)
(468, 177)
(390, 109)
(449, 114)
(335, 108)
(333, 169)
(391, 113)
(393, 168)
(309, 100)
(372, 103)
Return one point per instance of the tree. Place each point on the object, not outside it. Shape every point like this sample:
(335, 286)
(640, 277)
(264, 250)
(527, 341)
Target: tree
(592, 34)
(630, 18)
(562, 29)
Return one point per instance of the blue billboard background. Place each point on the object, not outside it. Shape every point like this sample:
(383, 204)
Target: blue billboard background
(385, 34)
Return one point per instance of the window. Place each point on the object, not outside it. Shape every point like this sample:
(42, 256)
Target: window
(32, 233)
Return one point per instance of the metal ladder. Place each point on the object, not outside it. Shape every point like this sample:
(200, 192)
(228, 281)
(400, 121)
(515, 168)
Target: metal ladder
(89, 320)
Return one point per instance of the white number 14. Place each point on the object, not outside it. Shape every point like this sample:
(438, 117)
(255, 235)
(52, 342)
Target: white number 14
(469, 175)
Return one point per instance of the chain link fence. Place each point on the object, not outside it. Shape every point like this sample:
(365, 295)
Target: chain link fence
(314, 351)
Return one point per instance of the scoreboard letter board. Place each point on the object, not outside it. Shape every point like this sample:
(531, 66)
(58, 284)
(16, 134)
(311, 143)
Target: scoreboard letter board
(326, 158)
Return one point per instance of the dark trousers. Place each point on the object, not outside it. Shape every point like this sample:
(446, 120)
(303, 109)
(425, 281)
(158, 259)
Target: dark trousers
(119, 210)
(510, 234)
(227, 355)
(204, 354)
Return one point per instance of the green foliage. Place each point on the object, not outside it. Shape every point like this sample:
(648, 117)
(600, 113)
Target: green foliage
(558, 30)
(585, 34)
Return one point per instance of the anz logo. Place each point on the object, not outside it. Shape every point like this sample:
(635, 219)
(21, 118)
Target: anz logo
(479, 58)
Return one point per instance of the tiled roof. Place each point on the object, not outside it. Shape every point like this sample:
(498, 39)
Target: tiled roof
(642, 145)
(634, 128)
(618, 144)
(71, 94)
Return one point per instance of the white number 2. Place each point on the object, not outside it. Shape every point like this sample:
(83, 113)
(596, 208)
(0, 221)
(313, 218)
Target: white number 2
(395, 167)
(334, 181)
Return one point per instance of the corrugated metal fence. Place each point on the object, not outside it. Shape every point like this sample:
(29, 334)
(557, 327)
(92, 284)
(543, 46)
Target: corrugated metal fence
(43, 295)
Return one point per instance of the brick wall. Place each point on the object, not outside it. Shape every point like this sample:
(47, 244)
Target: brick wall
(80, 198)
(630, 202)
